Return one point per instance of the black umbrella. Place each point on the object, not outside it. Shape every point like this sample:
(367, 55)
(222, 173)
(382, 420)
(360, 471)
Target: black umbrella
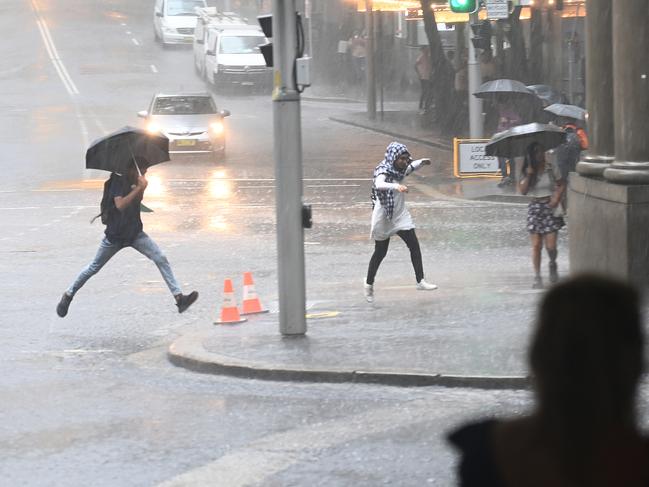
(502, 87)
(118, 151)
(514, 142)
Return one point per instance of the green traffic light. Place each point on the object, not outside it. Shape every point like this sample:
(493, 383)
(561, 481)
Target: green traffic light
(463, 6)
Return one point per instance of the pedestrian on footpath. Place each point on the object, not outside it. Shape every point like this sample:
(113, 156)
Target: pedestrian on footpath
(390, 216)
(124, 229)
(543, 183)
(586, 358)
(424, 70)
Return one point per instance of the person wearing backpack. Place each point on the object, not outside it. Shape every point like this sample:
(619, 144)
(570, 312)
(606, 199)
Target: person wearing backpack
(120, 212)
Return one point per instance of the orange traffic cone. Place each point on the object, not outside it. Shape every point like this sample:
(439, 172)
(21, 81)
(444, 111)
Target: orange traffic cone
(229, 311)
(251, 303)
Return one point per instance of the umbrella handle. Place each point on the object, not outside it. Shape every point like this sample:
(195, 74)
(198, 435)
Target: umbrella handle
(134, 161)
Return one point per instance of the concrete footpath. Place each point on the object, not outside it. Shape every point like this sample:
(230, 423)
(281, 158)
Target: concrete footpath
(450, 337)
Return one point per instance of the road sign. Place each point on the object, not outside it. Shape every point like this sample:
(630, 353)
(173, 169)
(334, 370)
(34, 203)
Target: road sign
(497, 9)
(469, 159)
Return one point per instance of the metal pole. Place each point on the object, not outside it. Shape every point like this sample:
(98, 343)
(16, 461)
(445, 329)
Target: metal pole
(476, 129)
(370, 79)
(288, 172)
(380, 63)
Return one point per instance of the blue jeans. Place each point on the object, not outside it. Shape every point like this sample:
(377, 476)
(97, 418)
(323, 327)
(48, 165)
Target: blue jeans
(142, 244)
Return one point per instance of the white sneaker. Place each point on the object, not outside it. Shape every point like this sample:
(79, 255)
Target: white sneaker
(369, 292)
(425, 286)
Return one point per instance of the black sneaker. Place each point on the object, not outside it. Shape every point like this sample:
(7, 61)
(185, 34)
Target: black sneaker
(184, 301)
(64, 304)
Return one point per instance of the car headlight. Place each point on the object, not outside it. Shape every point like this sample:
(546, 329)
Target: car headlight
(168, 29)
(217, 127)
(153, 128)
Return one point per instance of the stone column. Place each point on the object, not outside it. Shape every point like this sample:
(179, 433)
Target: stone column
(609, 216)
(599, 88)
(630, 93)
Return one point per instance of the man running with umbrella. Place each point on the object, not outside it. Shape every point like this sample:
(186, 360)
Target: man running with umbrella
(121, 211)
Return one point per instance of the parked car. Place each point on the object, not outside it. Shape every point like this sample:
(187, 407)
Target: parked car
(233, 57)
(174, 20)
(191, 121)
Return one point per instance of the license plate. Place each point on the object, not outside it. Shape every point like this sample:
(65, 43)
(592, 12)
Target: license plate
(185, 142)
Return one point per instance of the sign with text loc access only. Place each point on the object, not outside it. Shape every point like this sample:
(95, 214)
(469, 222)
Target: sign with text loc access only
(469, 159)
(497, 9)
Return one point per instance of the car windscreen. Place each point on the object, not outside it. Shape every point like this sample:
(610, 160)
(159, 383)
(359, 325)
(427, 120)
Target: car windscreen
(183, 7)
(241, 44)
(183, 105)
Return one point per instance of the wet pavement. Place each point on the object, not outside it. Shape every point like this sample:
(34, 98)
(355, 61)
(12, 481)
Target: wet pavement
(406, 337)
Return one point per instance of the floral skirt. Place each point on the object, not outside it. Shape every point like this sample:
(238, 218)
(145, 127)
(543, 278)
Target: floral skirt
(540, 218)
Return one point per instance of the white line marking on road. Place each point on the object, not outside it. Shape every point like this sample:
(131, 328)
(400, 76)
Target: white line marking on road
(128, 32)
(153, 68)
(257, 462)
(135, 41)
(333, 185)
(53, 53)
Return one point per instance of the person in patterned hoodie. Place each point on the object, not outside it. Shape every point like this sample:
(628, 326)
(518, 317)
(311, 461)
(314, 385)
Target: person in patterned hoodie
(390, 216)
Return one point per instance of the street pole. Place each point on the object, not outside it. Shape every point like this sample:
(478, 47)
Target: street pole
(370, 79)
(476, 130)
(288, 172)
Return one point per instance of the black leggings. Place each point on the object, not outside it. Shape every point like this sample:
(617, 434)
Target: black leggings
(381, 249)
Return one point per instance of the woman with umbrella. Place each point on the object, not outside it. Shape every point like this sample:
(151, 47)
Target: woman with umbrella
(543, 183)
(390, 216)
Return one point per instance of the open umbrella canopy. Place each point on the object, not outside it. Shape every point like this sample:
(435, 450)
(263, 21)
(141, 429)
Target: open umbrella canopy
(547, 94)
(570, 111)
(502, 87)
(117, 152)
(514, 141)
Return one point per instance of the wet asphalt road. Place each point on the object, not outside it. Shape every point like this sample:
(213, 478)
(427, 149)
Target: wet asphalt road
(91, 399)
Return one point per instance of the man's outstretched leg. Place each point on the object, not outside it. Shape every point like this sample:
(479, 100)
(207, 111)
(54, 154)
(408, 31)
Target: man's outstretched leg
(104, 253)
(146, 246)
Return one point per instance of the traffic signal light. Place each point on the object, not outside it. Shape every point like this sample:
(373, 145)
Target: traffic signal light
(266, 24)
(463, 6)
(481, 35)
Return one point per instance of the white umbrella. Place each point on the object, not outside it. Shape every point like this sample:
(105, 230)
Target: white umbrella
(570, 111)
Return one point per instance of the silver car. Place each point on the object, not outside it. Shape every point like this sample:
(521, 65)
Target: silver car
(191, 121)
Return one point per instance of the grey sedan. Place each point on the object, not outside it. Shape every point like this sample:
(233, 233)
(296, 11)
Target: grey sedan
(191, 121)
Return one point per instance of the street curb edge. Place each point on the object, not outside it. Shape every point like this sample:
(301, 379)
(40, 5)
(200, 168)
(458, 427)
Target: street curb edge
(183, 355)
(392, 134)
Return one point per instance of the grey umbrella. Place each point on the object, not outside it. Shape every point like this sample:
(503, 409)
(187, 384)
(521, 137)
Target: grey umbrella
(502, 87)
(515, 141)
(547, 94)
(570, 111)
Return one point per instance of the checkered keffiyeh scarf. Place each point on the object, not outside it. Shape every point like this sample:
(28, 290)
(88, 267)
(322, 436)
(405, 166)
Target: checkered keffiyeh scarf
(386, 197)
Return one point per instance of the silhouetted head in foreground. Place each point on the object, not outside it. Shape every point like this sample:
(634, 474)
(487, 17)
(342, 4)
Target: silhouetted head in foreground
(587, 359)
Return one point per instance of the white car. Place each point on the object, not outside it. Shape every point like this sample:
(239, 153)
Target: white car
(233, 58)
(191, 121)
(209, 19)
(174, 20)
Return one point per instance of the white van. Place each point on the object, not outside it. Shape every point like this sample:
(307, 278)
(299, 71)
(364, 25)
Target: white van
(174, 20)
(211, 18)
(233, 57)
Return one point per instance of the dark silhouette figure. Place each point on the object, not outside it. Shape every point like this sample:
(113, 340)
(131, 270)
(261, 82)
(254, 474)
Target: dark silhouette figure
(586, 358)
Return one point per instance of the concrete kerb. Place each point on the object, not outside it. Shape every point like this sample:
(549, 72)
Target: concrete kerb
(379, 130)
(187, 352)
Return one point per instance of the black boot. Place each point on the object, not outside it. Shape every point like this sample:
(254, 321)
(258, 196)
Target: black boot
(184, 301)
(554, 274)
